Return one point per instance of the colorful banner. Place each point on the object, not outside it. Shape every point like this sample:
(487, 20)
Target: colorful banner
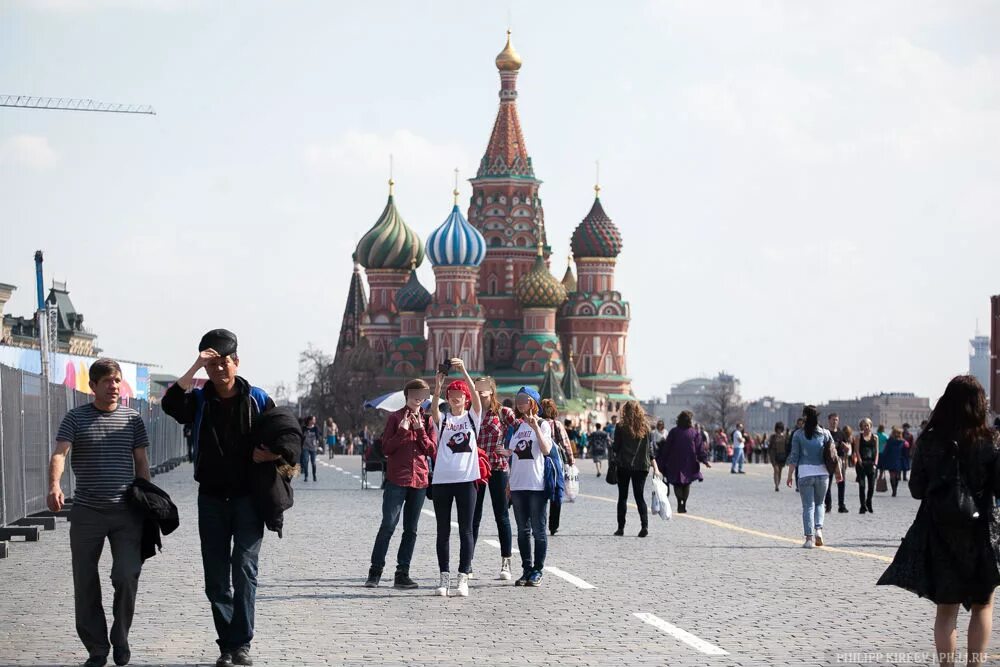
(74, 371)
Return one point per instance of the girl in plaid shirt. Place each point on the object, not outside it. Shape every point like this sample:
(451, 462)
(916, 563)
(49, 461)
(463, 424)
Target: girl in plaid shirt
(497, 419)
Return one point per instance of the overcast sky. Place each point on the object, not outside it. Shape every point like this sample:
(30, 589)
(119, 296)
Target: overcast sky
(808, 192)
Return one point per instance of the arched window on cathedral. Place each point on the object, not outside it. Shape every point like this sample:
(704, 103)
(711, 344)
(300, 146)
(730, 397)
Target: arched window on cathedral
(491, 286)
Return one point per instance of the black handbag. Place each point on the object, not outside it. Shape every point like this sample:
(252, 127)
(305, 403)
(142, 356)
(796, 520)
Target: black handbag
(612, 476)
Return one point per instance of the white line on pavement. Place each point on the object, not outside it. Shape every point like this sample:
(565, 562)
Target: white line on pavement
(576, 581)
(683, 635)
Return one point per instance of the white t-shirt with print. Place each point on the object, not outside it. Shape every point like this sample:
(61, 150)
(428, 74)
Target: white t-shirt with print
(457, 451)
(527, 463)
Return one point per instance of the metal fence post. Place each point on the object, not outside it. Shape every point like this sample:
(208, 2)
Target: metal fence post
(3, 468)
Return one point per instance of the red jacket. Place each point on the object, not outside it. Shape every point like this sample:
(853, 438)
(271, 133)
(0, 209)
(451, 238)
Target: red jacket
(406, 450)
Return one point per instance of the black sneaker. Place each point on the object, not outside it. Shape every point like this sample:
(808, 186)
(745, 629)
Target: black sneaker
(96, 661)
(535, 579)
(619, 532)
(122, 655)
(643, 533)
(523, 581)
(843, 510)
(870, 510)
(402, 580)
(225, 660)
(374, 576)
(862, 510)
(241, 656)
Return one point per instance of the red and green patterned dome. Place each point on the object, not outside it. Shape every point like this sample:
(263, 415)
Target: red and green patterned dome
(413, 297)
(596, 236)
(538, 288)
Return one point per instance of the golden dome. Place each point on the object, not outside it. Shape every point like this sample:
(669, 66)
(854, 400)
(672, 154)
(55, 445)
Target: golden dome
(508, 60)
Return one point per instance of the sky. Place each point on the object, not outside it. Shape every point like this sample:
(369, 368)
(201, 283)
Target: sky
(807, 191)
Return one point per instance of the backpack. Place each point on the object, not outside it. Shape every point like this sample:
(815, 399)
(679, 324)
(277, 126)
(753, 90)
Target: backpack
(951, 500)
(555, 478)
(258, 401)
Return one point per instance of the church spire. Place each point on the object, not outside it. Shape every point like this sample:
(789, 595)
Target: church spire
(506, 154)
(357, 304)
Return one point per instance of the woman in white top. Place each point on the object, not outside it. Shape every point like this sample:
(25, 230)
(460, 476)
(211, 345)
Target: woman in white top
(529, 444)
(456, 471)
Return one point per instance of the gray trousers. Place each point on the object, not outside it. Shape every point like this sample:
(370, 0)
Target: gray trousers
(87, 531)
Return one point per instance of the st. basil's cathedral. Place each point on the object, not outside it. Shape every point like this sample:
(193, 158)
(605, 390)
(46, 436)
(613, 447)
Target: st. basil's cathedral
(495, 302)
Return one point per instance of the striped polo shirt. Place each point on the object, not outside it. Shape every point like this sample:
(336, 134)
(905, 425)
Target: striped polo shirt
(101, 453)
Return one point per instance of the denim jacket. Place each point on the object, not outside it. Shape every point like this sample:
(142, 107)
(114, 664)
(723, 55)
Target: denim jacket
(809, 451)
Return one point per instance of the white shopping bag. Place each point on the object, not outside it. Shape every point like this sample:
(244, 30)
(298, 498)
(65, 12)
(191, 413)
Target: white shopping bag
(572, 484)
(661, 502)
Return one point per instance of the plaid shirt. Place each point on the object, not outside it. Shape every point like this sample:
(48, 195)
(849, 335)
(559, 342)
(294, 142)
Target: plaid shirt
(491, 436)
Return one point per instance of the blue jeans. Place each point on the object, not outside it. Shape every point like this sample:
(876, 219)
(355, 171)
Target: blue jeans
(308, 455)
(398, 500)
(738, 458)
(812, 492)
(531, 510)
(231, 531)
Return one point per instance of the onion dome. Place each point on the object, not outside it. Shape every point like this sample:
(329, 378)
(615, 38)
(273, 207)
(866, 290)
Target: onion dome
(538, 288)
(413, 297)
(596, 236)
(390, 243)
(456, 242)
(508, 60)
(569, 280)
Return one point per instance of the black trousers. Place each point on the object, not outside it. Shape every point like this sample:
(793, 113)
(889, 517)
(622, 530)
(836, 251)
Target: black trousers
(866, 483)
(554, 511)
(463, 494)
(638, 480)
(841, 491)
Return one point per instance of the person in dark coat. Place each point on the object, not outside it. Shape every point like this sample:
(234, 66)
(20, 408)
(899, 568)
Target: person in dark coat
(680, 458)
(633, 455)
(278, 432)
(892, 458)
(950, 553)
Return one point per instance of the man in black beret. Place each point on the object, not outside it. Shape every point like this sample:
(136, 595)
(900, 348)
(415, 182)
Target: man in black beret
(229, 523)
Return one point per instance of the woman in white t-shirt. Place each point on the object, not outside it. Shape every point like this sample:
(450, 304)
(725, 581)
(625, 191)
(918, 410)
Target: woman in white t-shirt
(456, 471)
(529, 444)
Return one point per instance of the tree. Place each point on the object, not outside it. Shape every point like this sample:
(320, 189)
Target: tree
(339, 388)
(722, 407)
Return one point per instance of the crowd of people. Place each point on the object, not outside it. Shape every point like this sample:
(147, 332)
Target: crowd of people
(246, 451)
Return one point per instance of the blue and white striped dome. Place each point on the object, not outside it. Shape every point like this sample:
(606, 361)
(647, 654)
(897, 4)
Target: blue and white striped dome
(456, 242)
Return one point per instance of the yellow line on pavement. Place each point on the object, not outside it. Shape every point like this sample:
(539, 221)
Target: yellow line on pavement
(757, 533)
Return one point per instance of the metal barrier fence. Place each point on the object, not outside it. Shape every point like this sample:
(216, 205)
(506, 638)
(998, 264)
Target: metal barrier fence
(24, 454)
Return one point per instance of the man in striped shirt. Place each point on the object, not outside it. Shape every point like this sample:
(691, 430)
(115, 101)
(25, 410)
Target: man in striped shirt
(109, 443)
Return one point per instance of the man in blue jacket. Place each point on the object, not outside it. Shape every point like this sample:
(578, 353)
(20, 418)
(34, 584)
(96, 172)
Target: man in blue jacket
(229, 524)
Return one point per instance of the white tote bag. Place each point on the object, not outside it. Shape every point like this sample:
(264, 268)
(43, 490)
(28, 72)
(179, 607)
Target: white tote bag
(572, 483)
(661, 502)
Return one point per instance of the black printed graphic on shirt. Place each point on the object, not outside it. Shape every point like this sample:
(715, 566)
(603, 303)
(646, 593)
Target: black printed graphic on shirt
(460, 442)
(522, 449)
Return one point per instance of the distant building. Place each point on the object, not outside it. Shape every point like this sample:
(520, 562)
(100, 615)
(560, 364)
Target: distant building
(764, 413)
(890, 409)
(979, 361)
(688, 395)
(23, 331)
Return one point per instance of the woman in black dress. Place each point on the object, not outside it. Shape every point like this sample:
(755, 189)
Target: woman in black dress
(950, 554)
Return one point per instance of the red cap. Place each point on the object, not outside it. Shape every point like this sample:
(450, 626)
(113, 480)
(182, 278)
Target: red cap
(459, 385)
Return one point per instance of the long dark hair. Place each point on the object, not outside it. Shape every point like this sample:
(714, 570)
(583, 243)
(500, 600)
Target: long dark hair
(812, 420)
(961, 413)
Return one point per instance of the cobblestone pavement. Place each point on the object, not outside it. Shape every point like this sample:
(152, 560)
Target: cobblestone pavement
(727, 584)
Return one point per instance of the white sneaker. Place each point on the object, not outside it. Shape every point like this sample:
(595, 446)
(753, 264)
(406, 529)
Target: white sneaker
(819, 537)
(463, 585)
(442, 590)
(505, 569)
(808, 544)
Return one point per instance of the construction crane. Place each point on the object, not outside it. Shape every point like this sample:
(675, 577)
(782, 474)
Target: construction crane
(72, 104)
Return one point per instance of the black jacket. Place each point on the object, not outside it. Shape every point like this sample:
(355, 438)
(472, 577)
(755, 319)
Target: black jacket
(632, 454)
(279, 432)
(158, 511)
(224, 458)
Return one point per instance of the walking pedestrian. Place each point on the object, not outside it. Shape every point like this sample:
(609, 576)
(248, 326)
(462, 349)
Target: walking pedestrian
(891, 459)
(230, 525)
(599, 442)
(497, 419)
(866, 463)
(109, 444)
(738, 441)
(310, 443)
(561, 441)
(950, 553)
(658, 436)
(330, 437)
(456, 471)
(530, 443)
(632, 454)
(843, 445)
(778, 444)
(408, 440)
(680, 457)
(808, 445)
(908, 439)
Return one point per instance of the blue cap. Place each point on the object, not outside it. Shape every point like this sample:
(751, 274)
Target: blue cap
(535, 396)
